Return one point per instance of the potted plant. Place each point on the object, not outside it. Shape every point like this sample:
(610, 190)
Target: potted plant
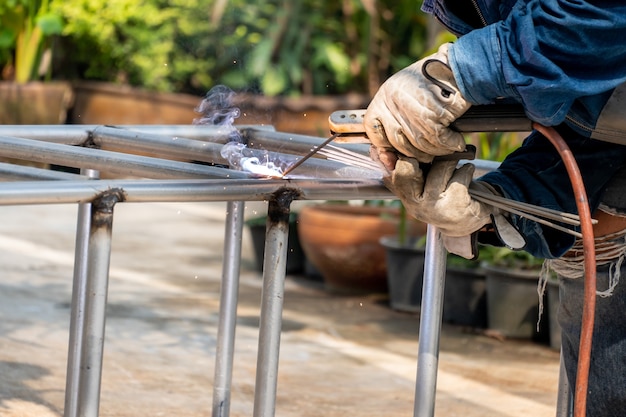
(405, 263)
(512, 299)
(342, 241)
(465, 294)
(295, 256)
(26, 28)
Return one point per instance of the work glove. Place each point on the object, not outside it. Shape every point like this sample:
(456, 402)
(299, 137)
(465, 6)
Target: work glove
(441, 197)
(412, 111)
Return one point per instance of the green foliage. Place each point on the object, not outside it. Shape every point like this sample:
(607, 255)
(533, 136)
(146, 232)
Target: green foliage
(25, 30)
(277, 47)
(142, 43)
(495, 146)
(507, 258)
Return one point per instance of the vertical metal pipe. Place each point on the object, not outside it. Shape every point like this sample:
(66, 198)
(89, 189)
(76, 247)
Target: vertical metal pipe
(430, 324)
(270, 321)
(92, 343)
(228, 309)
(77, 309)
(564, 399)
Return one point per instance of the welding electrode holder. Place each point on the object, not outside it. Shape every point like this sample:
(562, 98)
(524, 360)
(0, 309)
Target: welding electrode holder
(484, 118)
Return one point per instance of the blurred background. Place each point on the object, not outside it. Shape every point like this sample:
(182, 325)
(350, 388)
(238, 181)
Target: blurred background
(269, 47)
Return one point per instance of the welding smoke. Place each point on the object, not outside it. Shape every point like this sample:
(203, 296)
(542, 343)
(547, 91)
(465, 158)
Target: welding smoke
(217, 109)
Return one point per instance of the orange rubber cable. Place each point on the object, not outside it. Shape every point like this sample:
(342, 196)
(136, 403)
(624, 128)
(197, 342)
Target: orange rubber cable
(588, 315)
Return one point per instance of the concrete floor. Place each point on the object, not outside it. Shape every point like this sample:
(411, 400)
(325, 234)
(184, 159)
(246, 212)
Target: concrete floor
(340, 355)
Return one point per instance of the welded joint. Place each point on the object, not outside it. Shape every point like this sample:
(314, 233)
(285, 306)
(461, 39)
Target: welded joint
(91, 141)
(103, 203)
(280, 203)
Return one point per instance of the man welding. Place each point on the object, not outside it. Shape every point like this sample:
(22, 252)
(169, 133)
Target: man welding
(565, 63)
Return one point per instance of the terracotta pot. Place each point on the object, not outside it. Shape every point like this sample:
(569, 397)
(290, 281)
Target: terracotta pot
(342, 242)
(35, 103)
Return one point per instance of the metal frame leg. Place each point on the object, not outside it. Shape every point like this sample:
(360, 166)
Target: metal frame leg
(270, 320)
(228, 309)
(564, 399)
(430, 324)
(86, 394)
(77, 309)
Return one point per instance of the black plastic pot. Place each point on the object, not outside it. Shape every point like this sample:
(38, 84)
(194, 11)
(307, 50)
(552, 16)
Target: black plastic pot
(513, 303)
(295, 255)
(405, 274)
(465, 297)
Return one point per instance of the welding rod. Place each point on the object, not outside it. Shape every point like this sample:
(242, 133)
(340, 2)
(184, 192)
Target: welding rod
(335, 153)
(505, 203)
(511, 209)
(310, 154)
(532, 212)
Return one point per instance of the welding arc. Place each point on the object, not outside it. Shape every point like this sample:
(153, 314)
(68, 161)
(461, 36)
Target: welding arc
(589, 250)
(309, 155)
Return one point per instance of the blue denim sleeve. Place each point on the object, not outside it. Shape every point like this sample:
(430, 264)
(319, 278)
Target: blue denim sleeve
(545, 54)
(535, 174)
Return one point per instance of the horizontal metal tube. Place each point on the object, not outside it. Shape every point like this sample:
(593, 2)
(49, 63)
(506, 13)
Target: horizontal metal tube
(292, 143)
(107, 161)
(58, 192)
(63, 192)
(79, 134)
(22, 172)
(117, 139)
(198, 150)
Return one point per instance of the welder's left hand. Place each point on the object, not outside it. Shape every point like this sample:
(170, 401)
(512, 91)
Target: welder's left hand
(441, 198)
(411, 112)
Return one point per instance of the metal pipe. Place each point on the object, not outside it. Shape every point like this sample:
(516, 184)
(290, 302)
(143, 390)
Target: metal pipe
(270, 320)
(22, 172)
(96, 289)
(62, 192)
(77, 310)
(564, 399)
(430, 323)
(79, 134)
(225, 346)
(113, 138)
(197, 150)
(106, 161)
(290, 142)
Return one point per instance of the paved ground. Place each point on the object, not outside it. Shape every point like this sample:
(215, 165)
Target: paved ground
(341, 355)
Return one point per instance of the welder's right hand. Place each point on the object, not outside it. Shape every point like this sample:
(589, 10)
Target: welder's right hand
(411, 112)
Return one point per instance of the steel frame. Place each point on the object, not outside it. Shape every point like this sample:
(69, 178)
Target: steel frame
(168, 176)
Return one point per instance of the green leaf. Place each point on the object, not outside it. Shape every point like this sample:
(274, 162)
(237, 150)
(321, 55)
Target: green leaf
(260, 58)
(50, 24)
(7, 38)
(274, 81)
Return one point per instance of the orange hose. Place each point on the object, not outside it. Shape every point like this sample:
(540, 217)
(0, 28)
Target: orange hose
(589, 306)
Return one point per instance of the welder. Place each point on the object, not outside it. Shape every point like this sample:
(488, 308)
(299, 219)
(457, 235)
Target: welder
(565, 63)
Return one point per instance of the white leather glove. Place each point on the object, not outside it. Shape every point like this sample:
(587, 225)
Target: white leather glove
(441, 198)
(412, 110)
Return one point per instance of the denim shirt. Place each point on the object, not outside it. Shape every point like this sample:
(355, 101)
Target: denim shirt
(565, 62)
